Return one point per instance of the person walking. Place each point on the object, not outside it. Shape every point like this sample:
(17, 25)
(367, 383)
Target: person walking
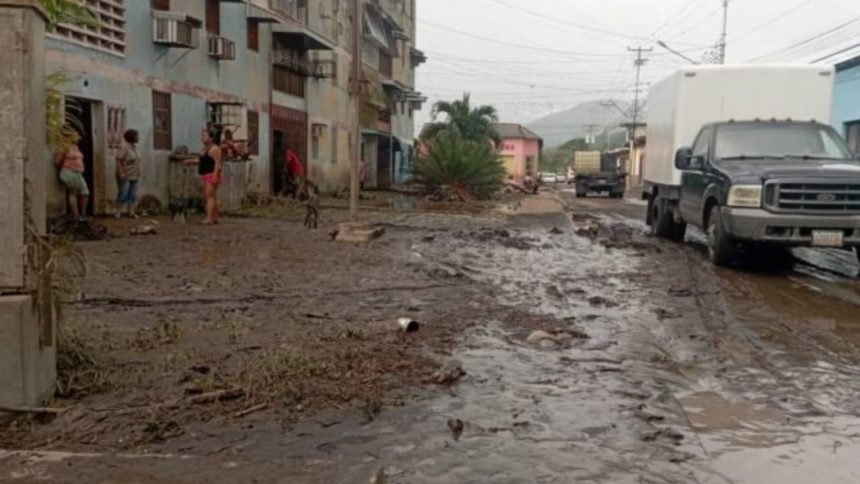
(70, 162)
(310, 195)
(128, 175)
(210, 170)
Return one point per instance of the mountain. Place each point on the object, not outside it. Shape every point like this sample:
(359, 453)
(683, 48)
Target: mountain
(587, 119)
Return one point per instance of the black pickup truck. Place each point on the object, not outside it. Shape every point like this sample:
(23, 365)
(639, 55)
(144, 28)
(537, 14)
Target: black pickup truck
(764, 182)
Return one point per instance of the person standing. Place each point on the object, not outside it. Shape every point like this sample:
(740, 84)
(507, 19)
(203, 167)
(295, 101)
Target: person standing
(294, 171)
(210, 170)
(128, 175)
(70, 162)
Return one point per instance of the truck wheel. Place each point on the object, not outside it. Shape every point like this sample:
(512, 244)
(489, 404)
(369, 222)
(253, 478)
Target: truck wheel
(661, 220)
(721, 248)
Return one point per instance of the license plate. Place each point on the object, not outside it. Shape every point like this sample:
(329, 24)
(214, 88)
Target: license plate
(828, 238)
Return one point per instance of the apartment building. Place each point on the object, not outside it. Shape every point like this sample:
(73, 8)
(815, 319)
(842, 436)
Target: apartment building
(274, 72)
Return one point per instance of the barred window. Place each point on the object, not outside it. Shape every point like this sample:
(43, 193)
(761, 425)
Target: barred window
(115, 126)
(109, 36)
(162, 114)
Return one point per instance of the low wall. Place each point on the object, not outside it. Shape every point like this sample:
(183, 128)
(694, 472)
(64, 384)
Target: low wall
(186, 183)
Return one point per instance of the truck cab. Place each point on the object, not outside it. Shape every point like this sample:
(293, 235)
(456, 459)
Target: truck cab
(773, 182)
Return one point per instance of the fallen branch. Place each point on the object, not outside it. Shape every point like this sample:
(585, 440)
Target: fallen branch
(34, 410)
(250, 410)
(218, 396)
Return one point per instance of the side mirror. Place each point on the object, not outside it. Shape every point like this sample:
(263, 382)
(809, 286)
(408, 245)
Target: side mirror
(683, 158)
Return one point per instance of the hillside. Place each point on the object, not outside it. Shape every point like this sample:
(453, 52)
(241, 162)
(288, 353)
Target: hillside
(590, 118)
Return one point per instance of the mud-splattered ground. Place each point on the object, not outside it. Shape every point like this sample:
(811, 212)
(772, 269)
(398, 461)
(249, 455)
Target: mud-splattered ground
(653, 367)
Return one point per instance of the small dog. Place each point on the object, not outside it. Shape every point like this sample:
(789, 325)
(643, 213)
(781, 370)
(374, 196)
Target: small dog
(310, 195)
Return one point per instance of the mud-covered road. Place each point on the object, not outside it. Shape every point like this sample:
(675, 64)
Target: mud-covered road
(656, 368)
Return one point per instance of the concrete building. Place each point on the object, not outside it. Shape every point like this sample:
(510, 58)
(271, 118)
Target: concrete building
(389, 101)
(276, 72)
(846, 109)
(520, 150)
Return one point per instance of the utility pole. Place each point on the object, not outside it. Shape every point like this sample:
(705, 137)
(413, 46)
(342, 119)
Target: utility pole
(724, 36)
(639, 62)
(355, 91)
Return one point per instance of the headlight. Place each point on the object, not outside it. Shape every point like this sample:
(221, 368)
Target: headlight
(747, 196)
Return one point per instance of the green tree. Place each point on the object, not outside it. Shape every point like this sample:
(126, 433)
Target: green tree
(61, 118)
(471, 168)
(471, 123)
(70, 12)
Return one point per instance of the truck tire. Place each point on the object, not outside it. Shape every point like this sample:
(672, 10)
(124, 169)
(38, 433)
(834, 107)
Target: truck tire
(721, 248)
(663, 222)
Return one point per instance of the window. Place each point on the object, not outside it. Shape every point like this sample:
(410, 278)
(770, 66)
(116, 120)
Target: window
(702, 147)
(334, 144)
(213, 17)
(315, 147)
(162, 121)
(253, 35)
(254, 132)
(115, 126)
(163, 5)
(852, 131)
(109, 36)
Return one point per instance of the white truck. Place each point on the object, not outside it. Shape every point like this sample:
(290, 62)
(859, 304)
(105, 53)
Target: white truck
(747, 154)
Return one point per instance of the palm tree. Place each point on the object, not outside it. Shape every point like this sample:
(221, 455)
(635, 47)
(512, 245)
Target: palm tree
(474, 124)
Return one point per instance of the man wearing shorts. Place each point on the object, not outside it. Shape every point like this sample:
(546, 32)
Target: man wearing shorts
(70, 161)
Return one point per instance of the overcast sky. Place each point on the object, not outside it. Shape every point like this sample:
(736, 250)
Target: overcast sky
(531, 58)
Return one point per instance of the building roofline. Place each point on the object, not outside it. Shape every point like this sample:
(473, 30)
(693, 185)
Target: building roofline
(848, 64)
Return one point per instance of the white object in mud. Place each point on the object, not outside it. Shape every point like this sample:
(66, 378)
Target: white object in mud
(358, 233)
(408, 325)
(539, 336)
(680, 105)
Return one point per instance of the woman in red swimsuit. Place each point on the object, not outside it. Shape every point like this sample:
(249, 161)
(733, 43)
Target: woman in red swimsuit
(209, 169)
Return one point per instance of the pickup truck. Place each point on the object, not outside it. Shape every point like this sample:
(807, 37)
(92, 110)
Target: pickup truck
(766, 182)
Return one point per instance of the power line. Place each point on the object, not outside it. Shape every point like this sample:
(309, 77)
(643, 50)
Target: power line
(773, 20)
(841, 51)
(807, 41)
(639, 63)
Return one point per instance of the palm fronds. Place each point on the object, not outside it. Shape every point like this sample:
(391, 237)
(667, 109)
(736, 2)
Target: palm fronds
(471, 168)
(73, 12)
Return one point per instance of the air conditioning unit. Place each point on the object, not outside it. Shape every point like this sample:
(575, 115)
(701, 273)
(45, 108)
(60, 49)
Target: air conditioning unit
(221, 48)
(317, 130)
(175, 29)
(325, 69)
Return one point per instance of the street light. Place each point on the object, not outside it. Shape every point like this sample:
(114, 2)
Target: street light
(663, 45)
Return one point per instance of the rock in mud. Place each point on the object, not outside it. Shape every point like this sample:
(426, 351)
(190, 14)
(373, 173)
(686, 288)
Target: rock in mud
(449, 374)
(556, 231)
(538, 337)
(599, 301)
(456, 426)
(143, 230)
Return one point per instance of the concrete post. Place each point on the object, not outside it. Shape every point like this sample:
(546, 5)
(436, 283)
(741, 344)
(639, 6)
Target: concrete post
(27, 336)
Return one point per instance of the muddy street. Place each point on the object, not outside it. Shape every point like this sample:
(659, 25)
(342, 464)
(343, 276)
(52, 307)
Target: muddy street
(592, 352)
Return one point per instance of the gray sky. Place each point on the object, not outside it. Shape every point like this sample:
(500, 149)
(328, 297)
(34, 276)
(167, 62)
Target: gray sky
(543, 56)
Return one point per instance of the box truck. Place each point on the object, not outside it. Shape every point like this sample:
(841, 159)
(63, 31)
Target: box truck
(747, 154)
(595, 172)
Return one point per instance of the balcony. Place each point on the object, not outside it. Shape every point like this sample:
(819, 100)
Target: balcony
(296, 62)
(175, 29)
(221, 48)
(294, 9)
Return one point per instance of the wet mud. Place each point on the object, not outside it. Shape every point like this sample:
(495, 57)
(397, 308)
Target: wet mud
(590, 353)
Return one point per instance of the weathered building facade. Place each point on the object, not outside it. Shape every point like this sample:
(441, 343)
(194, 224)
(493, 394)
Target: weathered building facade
(389, 98)
(274, 72)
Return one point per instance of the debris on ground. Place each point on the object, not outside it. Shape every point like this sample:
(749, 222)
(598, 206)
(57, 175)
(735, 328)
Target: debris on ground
(449, 374)
(357, 233)
(408, 325)
(143, 230)
(456, 426)
(85, 230)
(538, 337)
(379, 477)
(556, 231)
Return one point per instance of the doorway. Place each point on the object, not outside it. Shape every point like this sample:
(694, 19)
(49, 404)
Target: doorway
(383, 162)
(82, 110)
(279, 139)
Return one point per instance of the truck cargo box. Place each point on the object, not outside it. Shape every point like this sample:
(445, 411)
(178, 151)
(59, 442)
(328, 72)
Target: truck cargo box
(587, 162)
(681, 104)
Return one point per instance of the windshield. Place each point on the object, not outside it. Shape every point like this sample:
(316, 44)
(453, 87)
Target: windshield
(779, 141)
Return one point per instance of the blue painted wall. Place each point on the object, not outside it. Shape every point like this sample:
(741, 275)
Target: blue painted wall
(192, 77)
(846, 107)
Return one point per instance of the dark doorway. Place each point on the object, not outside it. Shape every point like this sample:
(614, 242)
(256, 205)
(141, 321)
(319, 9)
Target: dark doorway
(278, 145)
(383, 162)
(82, 110)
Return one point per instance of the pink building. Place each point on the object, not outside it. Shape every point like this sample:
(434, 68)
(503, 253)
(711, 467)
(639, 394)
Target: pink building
(520, 150)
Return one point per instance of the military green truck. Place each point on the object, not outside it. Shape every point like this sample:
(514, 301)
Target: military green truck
(595, 172)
